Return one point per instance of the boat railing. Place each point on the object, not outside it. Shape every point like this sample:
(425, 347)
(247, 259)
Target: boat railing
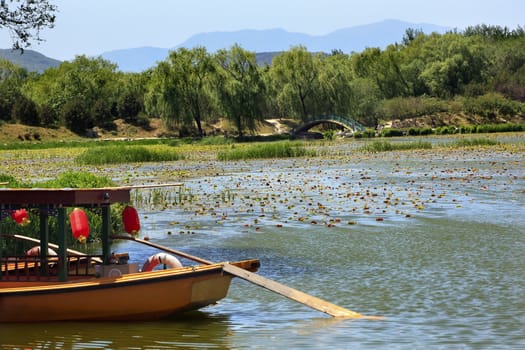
(34, 268)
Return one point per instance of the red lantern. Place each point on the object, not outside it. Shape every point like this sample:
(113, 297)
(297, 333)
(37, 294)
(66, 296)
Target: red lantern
(131, 221)
(79, 224)
(21, 217)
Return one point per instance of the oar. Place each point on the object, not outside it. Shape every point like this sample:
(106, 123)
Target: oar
(161, 247)
(291, 293)
(132, 187)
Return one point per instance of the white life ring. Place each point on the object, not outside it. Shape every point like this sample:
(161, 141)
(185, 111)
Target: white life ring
(161, 258)
(35, 251)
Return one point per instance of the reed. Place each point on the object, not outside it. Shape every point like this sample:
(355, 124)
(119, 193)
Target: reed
(86, 143)
(384, 146)
(284, 149)
(162, 198)
(474, 142)
(126, 154)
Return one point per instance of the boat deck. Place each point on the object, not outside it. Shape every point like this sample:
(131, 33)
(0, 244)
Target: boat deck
(33, 268)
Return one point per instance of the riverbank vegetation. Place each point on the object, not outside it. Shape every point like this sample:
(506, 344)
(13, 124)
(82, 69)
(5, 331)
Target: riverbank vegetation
(459, 79)
(126, 154)
(283, 149)
(385, 146)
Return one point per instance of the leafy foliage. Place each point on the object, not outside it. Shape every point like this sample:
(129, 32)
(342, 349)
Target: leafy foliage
(240, 88)
(75, 179)
(25, 19)
(180, 87)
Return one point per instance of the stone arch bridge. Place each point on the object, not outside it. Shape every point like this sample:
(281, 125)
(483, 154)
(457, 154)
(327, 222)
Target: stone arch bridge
(341, 121)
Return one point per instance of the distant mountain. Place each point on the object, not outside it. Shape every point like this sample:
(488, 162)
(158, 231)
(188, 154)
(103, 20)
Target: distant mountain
(253, 40)
(352, 39)
(381, 34)
(29, 59)
(138, 59)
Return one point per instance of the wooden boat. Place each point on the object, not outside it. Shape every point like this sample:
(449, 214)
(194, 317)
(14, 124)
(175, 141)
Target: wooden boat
(70, 285)
(76, 286)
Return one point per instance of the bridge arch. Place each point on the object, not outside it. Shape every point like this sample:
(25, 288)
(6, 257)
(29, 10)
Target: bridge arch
(341, 121)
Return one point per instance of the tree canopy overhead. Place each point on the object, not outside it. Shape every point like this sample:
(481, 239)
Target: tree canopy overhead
(25, 19)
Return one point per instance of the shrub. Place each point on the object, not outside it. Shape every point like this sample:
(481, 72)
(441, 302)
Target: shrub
(73, 179)
(491, 105)
(410, 107)
(76, 117)
(329, 135)
(391, 132)
(25, 111)
(369, 133)
(11, 181)
(446, 130)
(48, 116)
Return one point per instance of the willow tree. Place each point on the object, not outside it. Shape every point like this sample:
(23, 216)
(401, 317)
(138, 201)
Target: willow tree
(180, 88)
(24, 19)
(334, 80)
(240, 87)
(294, 76)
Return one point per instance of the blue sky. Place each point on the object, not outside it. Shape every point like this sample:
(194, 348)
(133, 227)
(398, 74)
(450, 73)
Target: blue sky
(96, 26)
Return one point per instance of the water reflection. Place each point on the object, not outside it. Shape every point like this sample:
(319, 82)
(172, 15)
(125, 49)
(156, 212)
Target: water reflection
(194, 330)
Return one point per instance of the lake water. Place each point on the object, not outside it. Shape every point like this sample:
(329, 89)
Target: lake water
(433, 241)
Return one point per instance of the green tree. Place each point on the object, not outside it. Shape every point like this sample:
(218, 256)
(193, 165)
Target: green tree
(24, 111)
(76, 116)
(508, 71)
(12, 78)
(294, 75)
(494, 32)
(179, 90)
(130, 96)
(90, 80)
(335, 77)
(452, 62)
(364, 99)
(384, 68)
(240, 87)
(25, 19)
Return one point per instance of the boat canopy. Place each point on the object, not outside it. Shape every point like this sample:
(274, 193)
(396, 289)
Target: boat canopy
(54, 202)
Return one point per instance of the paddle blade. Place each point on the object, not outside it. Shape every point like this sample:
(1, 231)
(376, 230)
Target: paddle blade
(298, 296)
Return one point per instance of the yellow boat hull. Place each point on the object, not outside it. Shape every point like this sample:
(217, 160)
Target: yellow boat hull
(135, 296)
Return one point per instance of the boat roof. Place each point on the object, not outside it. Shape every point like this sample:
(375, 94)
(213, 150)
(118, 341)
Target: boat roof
(63, 197)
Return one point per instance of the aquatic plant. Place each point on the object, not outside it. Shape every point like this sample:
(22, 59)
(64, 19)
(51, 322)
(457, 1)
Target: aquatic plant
(474, 142)
(283, 149)
(126, 154)
(384, 146)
